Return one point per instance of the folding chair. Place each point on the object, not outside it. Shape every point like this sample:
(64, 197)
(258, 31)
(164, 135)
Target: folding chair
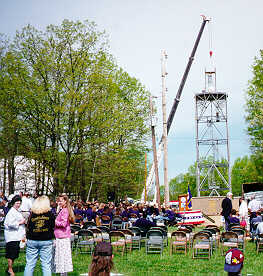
(154, 241)
(117, 240)
(229, 240)
(128, 238)
(105, 221)
(74, 235)
(178, 240)
(97, 235)
(241, 237)
(211, 226)
(2, 242)
(105, 232)
(136, 238)
(116, 223)
(231, 225)
(213, 237)
(259, 243)
(89, 224)
(165, 236)
(85, 242)
(189, 234)
(201, 246)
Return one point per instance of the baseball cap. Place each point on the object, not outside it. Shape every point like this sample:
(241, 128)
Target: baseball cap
(103, 249)
(234, 260)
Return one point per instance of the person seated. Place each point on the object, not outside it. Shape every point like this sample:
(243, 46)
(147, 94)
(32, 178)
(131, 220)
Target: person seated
(125, 213)
(106, 212)
(233, 218)
(140, 208)
(117, 211)
(100, 209)
(259, 230)
(78, 212)
(254, 224)
(170, 214)
(256, 219)
(144, 224)
(134, 212)
(90, 213)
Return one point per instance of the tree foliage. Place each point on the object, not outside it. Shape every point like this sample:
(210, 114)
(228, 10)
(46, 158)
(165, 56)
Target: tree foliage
(254, 117)
(70, 106)
(243, 171)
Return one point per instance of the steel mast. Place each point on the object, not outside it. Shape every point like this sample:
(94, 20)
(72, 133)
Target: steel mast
(175, 104)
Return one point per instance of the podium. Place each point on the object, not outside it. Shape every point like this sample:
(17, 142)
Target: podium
(183, 206)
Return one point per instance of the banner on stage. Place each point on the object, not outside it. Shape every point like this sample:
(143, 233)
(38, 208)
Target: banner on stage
(192, 217)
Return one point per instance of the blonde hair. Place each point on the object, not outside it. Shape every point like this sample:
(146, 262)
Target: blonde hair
(41, 205)
(68, 206)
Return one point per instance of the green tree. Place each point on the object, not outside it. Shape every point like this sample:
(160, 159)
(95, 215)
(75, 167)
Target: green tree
(243, 171)
(254, 117)
(78, 113)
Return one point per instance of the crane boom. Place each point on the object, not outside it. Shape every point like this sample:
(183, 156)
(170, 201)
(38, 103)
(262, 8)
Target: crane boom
(175, 104)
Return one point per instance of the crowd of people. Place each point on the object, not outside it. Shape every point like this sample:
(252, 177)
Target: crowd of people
(248, 216)
(45, 225)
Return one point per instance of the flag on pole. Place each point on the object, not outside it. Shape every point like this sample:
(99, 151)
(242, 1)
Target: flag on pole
(189, 198)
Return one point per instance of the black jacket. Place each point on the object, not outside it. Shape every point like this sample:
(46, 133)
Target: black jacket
(41, 227)
(226, 207)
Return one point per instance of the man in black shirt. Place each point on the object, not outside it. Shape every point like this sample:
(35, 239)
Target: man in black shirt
(226, 208)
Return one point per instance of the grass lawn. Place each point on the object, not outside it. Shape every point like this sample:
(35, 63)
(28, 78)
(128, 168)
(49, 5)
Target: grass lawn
(138, 263)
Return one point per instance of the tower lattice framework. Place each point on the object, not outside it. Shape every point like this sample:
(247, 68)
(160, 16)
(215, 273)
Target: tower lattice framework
(212, 139)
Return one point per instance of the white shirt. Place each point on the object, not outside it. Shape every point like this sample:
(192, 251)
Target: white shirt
(14, 231)
(243, 209)
(259, 228)
(26, 204)
(254, 205)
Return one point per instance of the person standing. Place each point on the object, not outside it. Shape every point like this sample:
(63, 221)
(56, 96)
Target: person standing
(40, 235)
(226, 208)
(25, 205)
(243, 213)
(63, 257)
(14, 232)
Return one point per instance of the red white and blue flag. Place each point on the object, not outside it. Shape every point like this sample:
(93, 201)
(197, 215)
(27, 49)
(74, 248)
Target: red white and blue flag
(189, 198)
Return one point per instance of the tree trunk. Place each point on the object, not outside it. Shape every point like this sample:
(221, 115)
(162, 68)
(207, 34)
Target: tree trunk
(11, 175)
(4, 177)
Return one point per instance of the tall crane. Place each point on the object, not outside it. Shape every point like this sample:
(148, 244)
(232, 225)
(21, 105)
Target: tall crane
(149, 180)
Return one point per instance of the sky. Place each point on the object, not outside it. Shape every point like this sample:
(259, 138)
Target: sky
(139, 29)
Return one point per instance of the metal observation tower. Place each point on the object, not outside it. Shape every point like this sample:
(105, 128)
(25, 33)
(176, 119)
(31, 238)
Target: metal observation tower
(212, 142)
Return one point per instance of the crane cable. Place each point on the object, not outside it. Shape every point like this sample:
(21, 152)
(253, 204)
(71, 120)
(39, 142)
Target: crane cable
(210, 38)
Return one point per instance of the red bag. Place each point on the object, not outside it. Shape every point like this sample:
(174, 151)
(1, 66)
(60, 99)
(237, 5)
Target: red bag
(243, 223)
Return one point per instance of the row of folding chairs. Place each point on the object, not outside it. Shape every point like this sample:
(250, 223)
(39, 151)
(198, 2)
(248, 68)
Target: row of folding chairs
(84, 240)
(203, 243)
(116, 223)
(206, 241)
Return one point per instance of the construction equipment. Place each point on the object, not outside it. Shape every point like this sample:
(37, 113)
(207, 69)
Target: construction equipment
(149, 180)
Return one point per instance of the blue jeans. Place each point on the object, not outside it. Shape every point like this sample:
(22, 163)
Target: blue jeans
(43, 249)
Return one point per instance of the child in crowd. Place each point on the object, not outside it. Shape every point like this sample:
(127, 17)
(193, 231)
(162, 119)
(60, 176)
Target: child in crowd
(234, 262)
(101, 264)
(233, 218)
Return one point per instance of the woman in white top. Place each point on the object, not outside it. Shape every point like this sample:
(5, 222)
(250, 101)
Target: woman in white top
(243, 211)
(14, 233)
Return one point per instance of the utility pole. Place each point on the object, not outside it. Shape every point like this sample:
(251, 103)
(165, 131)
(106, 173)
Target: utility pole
(176, 100)
(155, 157)
(165, 157)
